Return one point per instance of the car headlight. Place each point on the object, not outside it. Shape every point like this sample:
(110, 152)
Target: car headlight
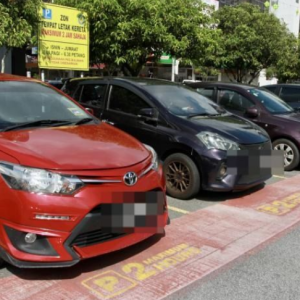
(215, 141)
(38, 181)
(154, 161)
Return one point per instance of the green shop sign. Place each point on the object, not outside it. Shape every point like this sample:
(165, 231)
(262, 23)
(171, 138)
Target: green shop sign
(165, 59)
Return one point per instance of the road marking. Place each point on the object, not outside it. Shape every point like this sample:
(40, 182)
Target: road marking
(178, 209)
(276, 176)
(281, 207)
(109, 284)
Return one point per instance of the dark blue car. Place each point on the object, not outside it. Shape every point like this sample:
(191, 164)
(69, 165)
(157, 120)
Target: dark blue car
(191, 134)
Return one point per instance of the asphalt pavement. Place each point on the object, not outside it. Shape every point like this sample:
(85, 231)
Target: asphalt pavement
(272, 273)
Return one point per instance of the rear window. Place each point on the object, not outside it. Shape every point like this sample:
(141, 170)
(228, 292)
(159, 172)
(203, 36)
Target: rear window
(271, 88)
(290, 94)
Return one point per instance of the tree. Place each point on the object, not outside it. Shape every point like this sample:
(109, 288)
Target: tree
(288, 65)
(251, 40)
(126, 32)
(19, 21)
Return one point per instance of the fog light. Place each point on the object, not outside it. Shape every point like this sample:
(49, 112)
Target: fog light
(30, 238)
(222, 171)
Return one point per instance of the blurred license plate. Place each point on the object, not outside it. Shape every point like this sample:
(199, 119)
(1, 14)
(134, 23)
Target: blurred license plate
(255, 162)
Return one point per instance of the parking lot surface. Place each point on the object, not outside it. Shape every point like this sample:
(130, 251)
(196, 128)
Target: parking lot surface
(205, 235)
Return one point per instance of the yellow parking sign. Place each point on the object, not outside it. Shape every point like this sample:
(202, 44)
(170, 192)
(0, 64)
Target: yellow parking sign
(63, 38)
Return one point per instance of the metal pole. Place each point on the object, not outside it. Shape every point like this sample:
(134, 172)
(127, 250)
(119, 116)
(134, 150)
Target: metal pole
(193, 73)
(43, 75)
(173, 69)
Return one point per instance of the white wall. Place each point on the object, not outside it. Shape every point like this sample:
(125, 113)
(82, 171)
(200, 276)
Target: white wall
(7, 60)
(289, 12)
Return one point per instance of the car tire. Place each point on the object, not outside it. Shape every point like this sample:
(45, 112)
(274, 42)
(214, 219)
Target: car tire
(291, 152)
(1, 263)
(182, 176)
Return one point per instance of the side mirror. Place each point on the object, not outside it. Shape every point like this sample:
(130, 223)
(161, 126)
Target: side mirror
(91, 111)
(251, 112)
(148, 114)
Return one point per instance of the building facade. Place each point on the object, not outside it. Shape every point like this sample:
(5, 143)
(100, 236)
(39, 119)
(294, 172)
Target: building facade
(288, 11)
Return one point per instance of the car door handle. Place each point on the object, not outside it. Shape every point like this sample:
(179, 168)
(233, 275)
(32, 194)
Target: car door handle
(108, 122)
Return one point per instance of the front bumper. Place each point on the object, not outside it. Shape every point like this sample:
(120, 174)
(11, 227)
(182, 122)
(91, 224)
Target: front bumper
(80, 237)
(244, 174)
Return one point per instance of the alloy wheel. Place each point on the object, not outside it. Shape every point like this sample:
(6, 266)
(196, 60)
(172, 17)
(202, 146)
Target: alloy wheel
(288, 153)
(178, 176)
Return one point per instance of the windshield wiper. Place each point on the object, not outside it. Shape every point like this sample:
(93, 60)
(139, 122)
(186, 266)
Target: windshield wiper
(37, 124)
(202, 115)
(84, 121)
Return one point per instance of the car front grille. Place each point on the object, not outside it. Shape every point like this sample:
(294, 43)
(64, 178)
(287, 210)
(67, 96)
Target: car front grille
(94, 237)
(257, 147)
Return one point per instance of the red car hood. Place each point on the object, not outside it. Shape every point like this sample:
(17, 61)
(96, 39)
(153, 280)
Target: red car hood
(73, 148)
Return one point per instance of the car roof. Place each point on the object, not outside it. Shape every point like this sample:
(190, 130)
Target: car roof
(220, 83)
(9, 77)
(132, 80)
(283, 84)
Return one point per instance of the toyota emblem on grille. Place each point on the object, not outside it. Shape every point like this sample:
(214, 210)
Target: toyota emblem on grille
(130, 178)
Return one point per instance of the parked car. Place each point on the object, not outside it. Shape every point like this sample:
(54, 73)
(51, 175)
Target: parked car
(56, 83)
(70, 84)
(189, 132)
(265, 109)
(290, 93)
(72, 187)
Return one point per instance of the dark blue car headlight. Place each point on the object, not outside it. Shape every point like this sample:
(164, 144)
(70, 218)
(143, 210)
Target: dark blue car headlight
(215, 141)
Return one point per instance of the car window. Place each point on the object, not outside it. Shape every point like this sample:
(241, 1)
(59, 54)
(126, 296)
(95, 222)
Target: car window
(271, 88)
(123, 100)
(22, 102)
(207, 92)
(233, 100)
(93, 94)
(70, 87)
(271, 102)
(290, 94)
(182, 101)
(77, 94)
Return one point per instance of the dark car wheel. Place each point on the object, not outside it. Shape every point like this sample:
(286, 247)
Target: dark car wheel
(291, 153)
(182, 176)
(1, 262)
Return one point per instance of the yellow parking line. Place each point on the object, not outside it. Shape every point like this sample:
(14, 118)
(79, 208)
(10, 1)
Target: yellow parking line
(178, 209)
(276, 176)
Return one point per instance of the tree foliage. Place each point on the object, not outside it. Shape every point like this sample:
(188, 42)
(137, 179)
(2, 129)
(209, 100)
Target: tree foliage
(19, 20)
(125, 32)
(252, 40)
(288, 65)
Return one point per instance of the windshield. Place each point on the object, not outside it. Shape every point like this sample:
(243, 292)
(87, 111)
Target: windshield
(271, 102)
(182, 101)
(22, 102)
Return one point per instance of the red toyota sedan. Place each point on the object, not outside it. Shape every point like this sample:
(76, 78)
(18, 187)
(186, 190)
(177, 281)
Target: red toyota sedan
(71, 187)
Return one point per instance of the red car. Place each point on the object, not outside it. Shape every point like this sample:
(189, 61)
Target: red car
(71, 186)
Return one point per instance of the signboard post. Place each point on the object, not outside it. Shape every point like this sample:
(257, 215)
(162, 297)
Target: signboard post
(63, 39)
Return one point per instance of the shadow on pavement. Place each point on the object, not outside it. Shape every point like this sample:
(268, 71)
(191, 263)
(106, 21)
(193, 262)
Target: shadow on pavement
(86, 266)
(223, 196)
